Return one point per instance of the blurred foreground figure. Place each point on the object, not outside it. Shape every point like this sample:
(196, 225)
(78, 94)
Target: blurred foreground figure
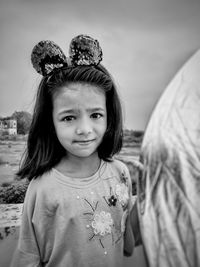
(169, 188)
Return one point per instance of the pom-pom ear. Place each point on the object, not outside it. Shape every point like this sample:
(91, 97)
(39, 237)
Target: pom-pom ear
(84, 50)
(47, 56)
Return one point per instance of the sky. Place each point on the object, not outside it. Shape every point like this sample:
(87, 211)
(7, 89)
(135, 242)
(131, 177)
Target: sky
(144, 44)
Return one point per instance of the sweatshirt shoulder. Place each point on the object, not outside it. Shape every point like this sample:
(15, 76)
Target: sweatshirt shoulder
(119, 167)
(39, 185)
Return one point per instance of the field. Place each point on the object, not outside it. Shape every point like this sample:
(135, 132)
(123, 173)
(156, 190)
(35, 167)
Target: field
(12, 151)
(10, 156)
(13, 190)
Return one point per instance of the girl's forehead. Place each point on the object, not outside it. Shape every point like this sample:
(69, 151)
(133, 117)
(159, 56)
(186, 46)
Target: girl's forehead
(80, 90)
(78, 93)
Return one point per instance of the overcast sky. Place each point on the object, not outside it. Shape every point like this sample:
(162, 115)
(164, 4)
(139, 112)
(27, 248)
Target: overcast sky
(144, 43)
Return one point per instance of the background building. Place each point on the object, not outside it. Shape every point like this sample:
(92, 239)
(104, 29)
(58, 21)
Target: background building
(8, 126)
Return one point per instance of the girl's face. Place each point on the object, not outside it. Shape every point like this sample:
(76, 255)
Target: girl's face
(80, 118)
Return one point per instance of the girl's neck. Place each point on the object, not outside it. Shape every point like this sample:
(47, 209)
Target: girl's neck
(79, 167)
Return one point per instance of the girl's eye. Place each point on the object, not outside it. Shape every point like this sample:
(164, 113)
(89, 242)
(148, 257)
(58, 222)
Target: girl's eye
(69, 118)
(96, 115)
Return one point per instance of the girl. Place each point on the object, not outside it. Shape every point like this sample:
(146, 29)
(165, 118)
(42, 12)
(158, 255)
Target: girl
(79, 197)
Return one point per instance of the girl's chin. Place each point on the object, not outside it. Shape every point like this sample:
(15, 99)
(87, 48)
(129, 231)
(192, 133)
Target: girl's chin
(83, 154)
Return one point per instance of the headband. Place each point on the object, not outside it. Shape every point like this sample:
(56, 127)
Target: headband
(83, 51)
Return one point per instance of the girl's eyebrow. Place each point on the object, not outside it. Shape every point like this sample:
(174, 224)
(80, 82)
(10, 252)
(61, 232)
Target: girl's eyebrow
(96, 109)
(66, 111)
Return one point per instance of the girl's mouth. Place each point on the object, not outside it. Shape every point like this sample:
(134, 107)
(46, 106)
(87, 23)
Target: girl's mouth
(84, 142)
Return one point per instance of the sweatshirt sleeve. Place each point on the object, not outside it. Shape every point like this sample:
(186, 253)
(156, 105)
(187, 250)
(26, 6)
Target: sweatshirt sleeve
(129, 241)
(27, 251)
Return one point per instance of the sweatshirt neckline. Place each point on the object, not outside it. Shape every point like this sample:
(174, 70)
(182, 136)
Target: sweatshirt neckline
(80, 182)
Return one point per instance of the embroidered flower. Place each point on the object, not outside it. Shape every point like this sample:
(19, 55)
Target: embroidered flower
(124, 178)
(112, 200)
(122, 193)
(102, 223)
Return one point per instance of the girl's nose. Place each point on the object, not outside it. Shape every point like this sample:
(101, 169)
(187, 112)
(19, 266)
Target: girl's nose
(84, 127)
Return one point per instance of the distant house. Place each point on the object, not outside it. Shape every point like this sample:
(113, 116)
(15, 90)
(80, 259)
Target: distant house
(8, 126)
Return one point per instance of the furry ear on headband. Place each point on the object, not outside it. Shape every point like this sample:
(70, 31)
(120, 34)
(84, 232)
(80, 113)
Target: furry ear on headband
(47, 56)
(83, 51)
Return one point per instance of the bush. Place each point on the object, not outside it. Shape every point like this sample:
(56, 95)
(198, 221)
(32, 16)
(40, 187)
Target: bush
(2, 161)
(5, 184)
(18, 137)
(13, 194)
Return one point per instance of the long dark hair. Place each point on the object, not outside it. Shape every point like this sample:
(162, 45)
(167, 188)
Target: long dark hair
(44, 150)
